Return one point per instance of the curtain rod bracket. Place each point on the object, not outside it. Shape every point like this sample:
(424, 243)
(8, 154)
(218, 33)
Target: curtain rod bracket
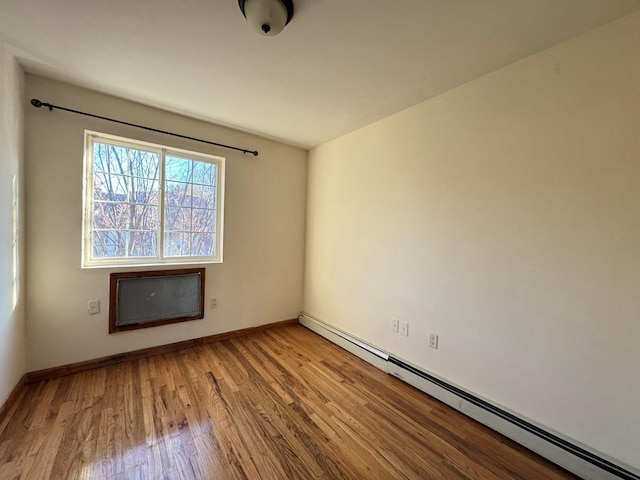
(37, 103)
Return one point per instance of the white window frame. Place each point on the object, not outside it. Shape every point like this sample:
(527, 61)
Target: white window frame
(88, 204)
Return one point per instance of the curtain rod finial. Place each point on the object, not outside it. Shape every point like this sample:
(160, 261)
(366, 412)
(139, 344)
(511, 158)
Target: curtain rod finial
(36, 103)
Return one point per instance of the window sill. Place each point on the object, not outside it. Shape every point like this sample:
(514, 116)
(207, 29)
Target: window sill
(147, 264)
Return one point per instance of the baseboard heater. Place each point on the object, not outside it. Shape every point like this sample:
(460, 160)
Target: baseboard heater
(558, 450)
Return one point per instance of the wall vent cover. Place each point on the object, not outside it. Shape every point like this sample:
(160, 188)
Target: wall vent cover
(148, 299)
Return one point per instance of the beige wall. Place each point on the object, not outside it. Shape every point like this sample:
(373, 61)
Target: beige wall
(12, 327)
(259, 282)
(504, 216)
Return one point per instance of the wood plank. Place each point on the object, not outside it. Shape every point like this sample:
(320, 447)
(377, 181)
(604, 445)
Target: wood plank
(282, 403)
(12, 400)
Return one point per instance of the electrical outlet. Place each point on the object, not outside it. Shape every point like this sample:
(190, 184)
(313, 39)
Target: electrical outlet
(404, 329)
(395, 325)
(213, 303)
(93, 307)
(433, 340)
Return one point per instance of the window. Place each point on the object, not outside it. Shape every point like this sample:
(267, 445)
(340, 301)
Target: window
(146, 204)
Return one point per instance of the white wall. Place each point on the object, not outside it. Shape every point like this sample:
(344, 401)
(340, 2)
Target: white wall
(12, 328)
(504, 216)
(259, 282)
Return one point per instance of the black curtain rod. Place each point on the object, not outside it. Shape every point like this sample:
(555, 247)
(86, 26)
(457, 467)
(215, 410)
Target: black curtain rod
(37, 103)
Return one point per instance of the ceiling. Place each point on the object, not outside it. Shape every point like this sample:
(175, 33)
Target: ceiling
(339, 65)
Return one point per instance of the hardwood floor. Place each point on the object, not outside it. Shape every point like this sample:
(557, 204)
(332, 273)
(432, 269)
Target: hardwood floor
(280, 404)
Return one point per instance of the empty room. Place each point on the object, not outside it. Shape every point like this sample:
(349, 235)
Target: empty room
(296, 239)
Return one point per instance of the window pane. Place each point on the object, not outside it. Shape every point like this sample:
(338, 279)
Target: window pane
(143, 244)
(177, 219)
(143, 217)
(145, 190)
(110, 216)
(109, 244)
(178, 169)
(176, 244)
(178, 194)
(202, 244)
(110, 187)
(142, 163)
(190, 207)
(204, 173)
(204, 197)
(108, 158)
(125, 212)
(203, 220)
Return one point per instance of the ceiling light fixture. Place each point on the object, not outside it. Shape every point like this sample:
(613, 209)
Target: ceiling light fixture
(267, 17)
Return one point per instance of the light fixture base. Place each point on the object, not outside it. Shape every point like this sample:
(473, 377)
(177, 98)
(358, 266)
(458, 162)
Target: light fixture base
(267, 17)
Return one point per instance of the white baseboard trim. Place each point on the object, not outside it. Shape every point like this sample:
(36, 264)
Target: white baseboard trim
(565, 452)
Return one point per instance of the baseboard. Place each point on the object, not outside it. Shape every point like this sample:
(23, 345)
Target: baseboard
(13, 398)
(54, 372)
(550, 445)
